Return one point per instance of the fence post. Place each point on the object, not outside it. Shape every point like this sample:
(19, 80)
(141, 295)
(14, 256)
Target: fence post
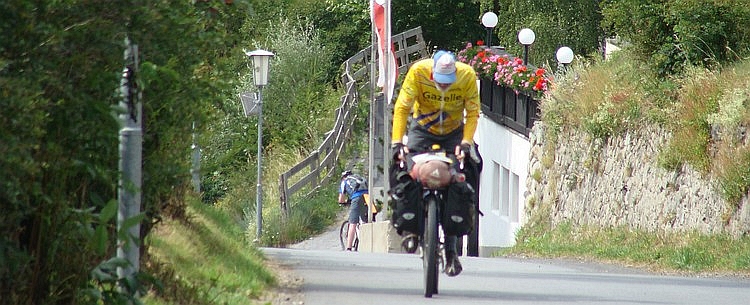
(284, 197)
(314, 168)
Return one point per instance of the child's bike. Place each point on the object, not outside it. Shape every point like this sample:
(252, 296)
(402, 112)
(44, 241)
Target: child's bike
(344, 235)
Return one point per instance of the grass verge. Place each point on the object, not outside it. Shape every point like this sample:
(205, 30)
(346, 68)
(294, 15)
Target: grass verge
(204, 259)
(655, 252)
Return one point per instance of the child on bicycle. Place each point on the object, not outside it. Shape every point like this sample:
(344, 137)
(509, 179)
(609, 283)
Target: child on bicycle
(355, 188)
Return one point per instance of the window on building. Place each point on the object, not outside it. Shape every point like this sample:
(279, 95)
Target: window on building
(505, 177)
(505, 192)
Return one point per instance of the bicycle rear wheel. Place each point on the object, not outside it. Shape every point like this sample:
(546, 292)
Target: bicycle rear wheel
(430, 247)
(343, 231)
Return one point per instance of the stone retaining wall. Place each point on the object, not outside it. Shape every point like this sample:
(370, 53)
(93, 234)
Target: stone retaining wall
(618, 183)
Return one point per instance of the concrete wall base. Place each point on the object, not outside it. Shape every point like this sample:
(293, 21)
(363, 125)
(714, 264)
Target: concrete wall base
(379, 237)
(488, 251)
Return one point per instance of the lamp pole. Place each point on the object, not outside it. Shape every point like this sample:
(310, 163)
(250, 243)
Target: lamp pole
(260, 60)
(526, 37)
(564, 56)
(489, 20)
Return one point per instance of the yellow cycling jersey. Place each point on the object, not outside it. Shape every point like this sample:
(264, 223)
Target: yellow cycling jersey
(441, 113)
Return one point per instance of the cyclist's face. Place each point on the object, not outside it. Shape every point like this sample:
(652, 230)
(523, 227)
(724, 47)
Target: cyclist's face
(442, 87)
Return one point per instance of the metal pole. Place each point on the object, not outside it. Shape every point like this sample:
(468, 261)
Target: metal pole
(387, 105)
(131, 145)
(259, 191)
(372, 118)
(525, 54)
(489, 37)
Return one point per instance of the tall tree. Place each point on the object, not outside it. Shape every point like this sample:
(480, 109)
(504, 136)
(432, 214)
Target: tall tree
(571, 23)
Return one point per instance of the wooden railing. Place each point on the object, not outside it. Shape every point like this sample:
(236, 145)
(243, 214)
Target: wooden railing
(409, 47)
(318, 168)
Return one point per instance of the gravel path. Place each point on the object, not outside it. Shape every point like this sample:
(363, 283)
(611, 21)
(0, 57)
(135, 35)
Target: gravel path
(328, 240)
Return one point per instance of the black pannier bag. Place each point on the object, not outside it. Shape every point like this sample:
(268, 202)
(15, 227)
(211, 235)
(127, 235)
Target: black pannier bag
(460, 210)
(406, 203)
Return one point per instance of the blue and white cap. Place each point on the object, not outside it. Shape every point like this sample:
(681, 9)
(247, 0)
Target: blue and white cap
(444, 67)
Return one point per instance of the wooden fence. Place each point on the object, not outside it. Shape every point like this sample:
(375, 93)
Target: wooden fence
(318, 168)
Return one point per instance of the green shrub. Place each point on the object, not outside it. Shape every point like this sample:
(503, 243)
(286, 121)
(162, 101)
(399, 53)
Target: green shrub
(675, 33)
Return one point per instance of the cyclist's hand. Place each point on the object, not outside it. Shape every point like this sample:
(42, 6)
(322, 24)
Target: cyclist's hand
(399, 151)
(462, 151)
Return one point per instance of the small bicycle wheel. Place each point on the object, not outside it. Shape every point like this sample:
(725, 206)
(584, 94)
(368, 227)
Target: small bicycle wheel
(343, 231)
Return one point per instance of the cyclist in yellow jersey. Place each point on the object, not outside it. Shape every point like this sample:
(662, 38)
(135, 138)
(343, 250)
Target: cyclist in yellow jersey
(442, 96)
(438, 100)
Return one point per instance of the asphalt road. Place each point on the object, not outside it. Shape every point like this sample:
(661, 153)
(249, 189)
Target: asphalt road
(331, 276)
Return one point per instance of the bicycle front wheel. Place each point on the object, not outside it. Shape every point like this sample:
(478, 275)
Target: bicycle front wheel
(430, 247)
(343, 231)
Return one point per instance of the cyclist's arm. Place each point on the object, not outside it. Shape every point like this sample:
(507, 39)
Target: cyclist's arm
(471, 103)
(342, 193)
(406, 99)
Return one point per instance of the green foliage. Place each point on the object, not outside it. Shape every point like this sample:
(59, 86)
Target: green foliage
(735, 180)
(308, 216)
(607, 97)
(296, 108)
(441, 26)
(574, 24)
(675, 33)
(60, 65)
(343, 27)
(697, 98)
(300, 98)
(204, 259)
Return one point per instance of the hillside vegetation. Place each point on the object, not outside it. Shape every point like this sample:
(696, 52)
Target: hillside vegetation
(706, 111)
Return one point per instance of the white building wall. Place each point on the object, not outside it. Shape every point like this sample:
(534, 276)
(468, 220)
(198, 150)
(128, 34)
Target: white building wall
(503, 184)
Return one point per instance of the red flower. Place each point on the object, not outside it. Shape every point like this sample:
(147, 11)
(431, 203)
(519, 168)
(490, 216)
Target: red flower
(539, 84)
(505, 70)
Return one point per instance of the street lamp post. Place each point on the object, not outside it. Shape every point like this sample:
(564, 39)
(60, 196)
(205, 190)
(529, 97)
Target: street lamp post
(526, 38)
(489, 20)
(261, 59)
(564, 56)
